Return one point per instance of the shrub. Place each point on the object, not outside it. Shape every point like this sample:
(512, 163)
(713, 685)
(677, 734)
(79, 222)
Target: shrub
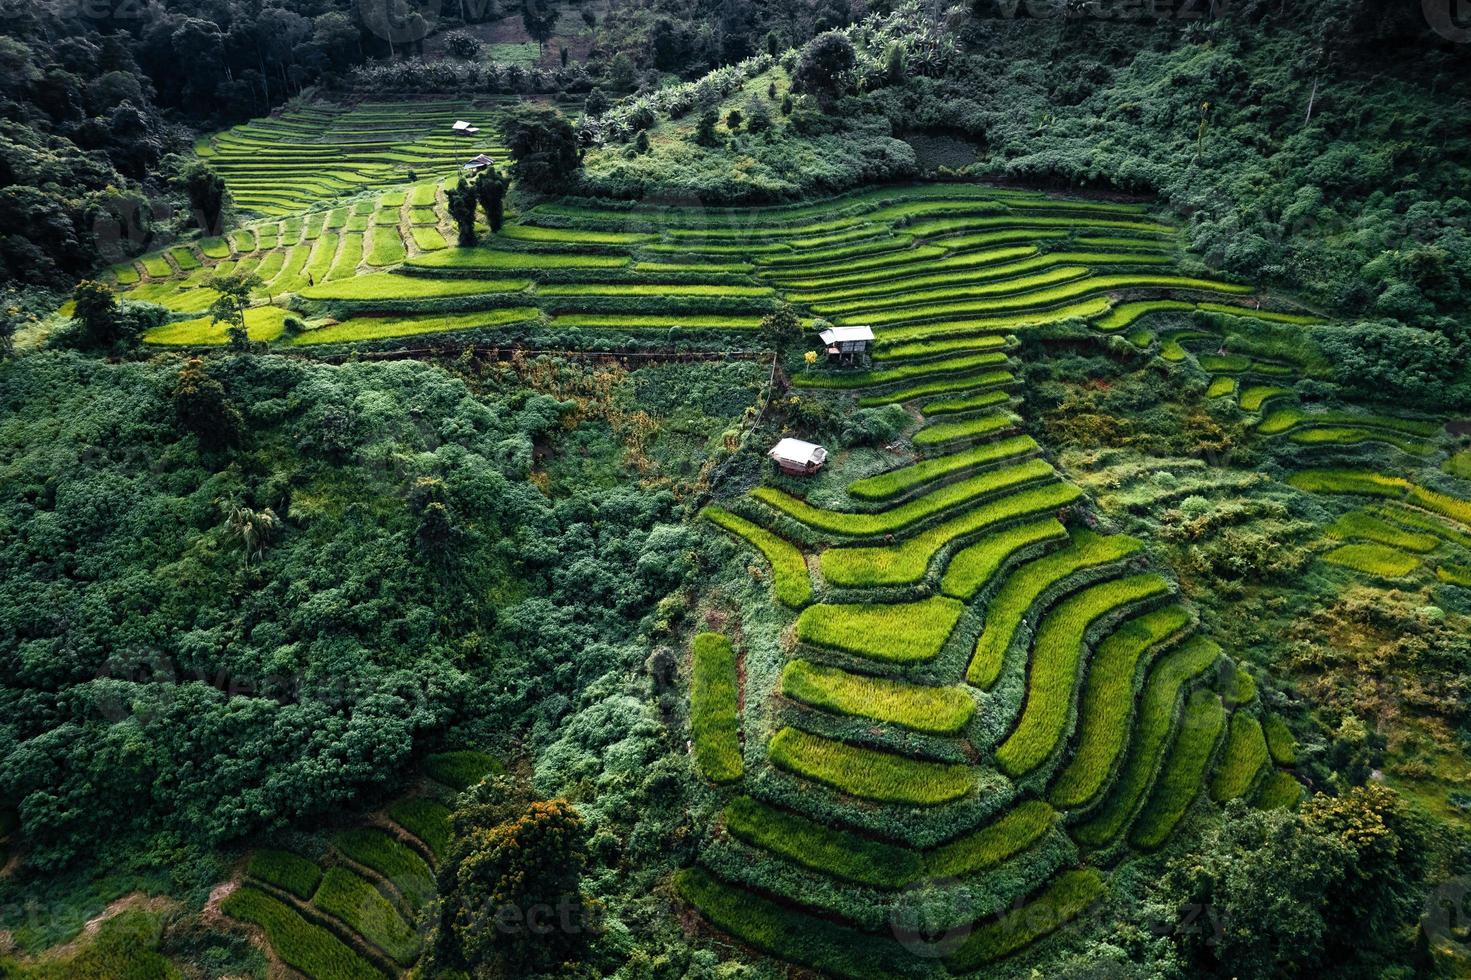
(1053, 676)
(1152, 726)
(973, 566)
(300, 944)
(354, 901)
(908, 562)
(870, 774)
(285, 870)
(905, 632)
(937, 710)
(391, 858)
(820, 847)
(715, 708)
(427, 820)
(1013, 832)
(792, 935)
(791, 583)
(461, 769)
(1107, 702)
(1244, 756)
(1026, 585)
(1182, 771)
(1059, 903)
(894, 482)
(1373, 559)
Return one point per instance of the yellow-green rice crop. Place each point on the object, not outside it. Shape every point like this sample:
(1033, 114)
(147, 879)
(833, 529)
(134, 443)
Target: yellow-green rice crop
(1015, 831)
(1183, 769)
(1373, 559)
(715, 708)
(937, 433)
(973, 566)
(392, 286)
(1064, 898)
(938, 710)
(1358, 525)
(790, 581)
(901, 632)
(870, 774)
(894, 482)
(820, 847)
(1243, 757)
(376, 327)
(1278, 791)
(965, 382)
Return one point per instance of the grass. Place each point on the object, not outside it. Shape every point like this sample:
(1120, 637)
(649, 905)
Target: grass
(300, 944)
(1125, 314)
(904, 632)
(968, 403)
(287, 871)
(909, 562)
(382, 327)
(715, 708)
(1026, 585)
(1373, 559)
(1351, 436)
(895, 519)
(1280, 743)
(870, 774)
(1253, 398)
(392, 286)
(1285, 419)
(1221, 387)
(1244, 756)
(1056, 654)
(427, 820)
(1278, 791)
(1458, 465)
(354, 901)
(391, 858)
(973, 566)
(1107, 702)
(262, 324)
(1358, 525)
(898, 481)
(791, 935)
(1019, 828)
(904, 372)
(1410, 517)
(940, 386)
(1063, 900)
(838, 853)
(937, 433)
(936, 710)
(1151, 731)
(461, 769)
(1183, 770)
(791, 583)
(478, 258)
(385, 246)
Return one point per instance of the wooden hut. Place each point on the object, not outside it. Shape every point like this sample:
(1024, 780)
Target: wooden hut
(847, 344)
(797, 457)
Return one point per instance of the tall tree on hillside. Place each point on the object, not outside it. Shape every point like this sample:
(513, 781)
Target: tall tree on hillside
(543, 147)
(490, 191)
(462, 208)
(540, 19)
(206, 191)
(95, 308)
(234, 299)
(204, 407)
(824, 66)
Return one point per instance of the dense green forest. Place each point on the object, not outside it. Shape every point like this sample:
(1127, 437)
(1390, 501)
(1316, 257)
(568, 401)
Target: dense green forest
(400, 574)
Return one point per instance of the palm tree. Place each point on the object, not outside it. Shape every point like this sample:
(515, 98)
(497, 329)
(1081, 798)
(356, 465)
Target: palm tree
(254, 528)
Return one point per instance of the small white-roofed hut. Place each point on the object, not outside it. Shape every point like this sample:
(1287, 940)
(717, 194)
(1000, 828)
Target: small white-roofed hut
(847, 344)
(461, 126)
(797, 457)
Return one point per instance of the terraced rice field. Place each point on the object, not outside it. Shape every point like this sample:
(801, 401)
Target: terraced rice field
(968, 679)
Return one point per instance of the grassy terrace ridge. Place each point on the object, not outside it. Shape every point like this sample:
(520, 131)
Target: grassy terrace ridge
(1244, 756)
(1153, 724)
(919, 262)
(1061, 901)
(303, 945)
(940, 433)
(1026, 584)
(877, 308)
(355, 902)
(398, 863)
(715, 708)
(822, 848)
(907, 562)
(1373, 559)
(937, 710)
(1360, 525)
(893, 483)
(794, 936)
(791, 583)
(1053, 675)
(907, 632)
(903, 372)
(1183, 770)
(1107, 703)
(1370, 483)
(939, 386)
(974, 565)
(287, 871)
(487, 258)
(870, 774)
(902, 516)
